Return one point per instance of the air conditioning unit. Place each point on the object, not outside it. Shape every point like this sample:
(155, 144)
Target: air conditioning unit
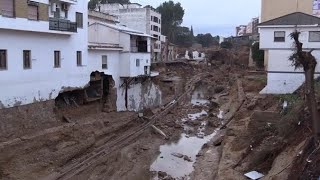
(64, 7)
(53, 7)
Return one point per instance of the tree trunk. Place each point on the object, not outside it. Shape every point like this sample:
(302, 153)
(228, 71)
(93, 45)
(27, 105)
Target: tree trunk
(311, 100)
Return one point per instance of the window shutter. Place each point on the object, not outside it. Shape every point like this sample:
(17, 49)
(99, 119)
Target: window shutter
(6, 7)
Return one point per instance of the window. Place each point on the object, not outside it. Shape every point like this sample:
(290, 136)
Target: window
(279, 36)
(156, 28)
(104, 62)
(27, 59)
(79, 20)
(33, 11)
(147, 61)
(146, 70)
(57, 59)
(137, 62)
(314, 36)
(7, 8)
(3, 59)
(79, 58)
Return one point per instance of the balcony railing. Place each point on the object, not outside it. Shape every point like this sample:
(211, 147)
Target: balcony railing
(62, 25)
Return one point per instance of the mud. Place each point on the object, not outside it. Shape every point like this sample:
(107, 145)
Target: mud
(196, 147)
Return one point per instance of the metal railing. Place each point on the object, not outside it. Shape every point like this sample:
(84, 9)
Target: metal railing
(62, 25)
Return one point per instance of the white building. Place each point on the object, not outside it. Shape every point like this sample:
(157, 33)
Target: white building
(125, 54)
(145, 19)
(278, 46)
(43, 49)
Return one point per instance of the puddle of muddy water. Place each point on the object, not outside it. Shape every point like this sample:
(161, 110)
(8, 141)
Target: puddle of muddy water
(196, 116)
(178, 167)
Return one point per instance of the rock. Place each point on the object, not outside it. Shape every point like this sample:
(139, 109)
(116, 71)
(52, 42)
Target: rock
(195, 122)
(178, 155)
(206, 145)
(177, 126)
(199, 154)
(218, 141)
(162, 174)
(213, 123)
(145, 148)
(200, 135)
(170, 124)
(230, 132)
(252, 105)
(213, 104)
(186, 158)
(218, 89)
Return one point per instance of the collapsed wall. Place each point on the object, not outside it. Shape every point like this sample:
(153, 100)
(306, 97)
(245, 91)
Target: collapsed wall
(141, 94)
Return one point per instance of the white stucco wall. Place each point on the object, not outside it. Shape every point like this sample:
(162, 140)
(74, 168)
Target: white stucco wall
(267, 38)
(283, 78)
(42, 81)
(136, 17)
(128, 66)
(104, 35)
(140, 96)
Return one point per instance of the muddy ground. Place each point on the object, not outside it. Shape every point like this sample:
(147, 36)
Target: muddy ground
(221, 129)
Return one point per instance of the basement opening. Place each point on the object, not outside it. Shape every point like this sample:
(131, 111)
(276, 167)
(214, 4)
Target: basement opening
(99, 89)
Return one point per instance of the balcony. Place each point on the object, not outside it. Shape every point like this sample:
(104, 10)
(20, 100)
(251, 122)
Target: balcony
(62, 25)
(141, 48)
(69, 1)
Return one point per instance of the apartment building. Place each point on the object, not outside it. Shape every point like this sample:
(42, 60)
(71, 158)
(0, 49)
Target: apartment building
(124, 54)
(271, 9)
(144, 19)
(252, 27)
(43, 49)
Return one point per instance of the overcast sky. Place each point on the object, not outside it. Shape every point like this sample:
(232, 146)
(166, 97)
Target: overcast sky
(219, 17)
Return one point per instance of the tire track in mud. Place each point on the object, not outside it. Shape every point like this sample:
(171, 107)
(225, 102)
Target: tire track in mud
(81, 164)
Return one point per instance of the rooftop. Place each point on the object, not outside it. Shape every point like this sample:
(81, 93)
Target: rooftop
(297, 18)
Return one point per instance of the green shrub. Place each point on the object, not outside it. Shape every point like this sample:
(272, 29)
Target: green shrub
(257, 55)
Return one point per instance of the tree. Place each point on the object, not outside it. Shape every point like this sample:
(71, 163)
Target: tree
(183, 37)
(206, 40)
(305, 60)
(257, 54)
(226, 45)
(92, 4)
(171, 18)
(191, 32)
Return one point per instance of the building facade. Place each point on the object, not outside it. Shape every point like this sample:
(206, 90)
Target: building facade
(252, 27)
(124, 54)
(271, 9)
(145, 19)
(241, 30)
(283, 78)
(43, 49)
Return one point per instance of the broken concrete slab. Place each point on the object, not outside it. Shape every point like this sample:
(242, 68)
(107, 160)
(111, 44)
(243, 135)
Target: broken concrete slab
(254, 175)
